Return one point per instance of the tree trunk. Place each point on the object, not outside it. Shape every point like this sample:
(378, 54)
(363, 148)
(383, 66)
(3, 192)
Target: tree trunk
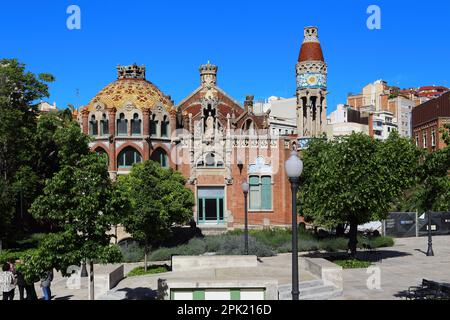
(91, 280)
(145, 258)
(340, 230)
(353, 237)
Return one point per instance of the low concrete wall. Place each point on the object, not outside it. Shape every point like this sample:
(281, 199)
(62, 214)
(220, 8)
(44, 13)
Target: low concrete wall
(106, 277)
(166, 285)
(330, 273)
(186, 263)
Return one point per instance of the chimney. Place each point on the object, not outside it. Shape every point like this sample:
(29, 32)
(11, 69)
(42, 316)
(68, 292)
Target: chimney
(248, 104)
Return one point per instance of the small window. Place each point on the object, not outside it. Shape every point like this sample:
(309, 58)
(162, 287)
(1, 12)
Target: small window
(424, 140)
(122, 125)
(104, 126)
(93, 126)
(153, 125)
(136, 125)
(433, 138)
(165, 127)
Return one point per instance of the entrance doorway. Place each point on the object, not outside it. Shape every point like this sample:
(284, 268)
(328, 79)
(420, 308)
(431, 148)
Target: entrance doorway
(210, 205)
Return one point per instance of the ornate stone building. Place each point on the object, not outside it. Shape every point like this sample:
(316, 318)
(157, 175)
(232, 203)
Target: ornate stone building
(130, 120)
(311, 73)
(209, 137)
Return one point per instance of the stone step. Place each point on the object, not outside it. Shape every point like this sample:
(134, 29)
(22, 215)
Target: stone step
(323, 296)
(302, 285)
(310, 290)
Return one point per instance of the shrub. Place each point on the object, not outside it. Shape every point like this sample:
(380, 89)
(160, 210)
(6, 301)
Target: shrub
(380, 242)
(140, 271)
(194, 247)
(306, 245)
(162, 254)
(235, 245)
(353, 263)
(213, 243)
(333, 244)
(131, 251)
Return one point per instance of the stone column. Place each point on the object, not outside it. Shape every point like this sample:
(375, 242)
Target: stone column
(146, 132)
(300, 116)
(173, 121)
(85, 118)
(112, 143)
(146, 122)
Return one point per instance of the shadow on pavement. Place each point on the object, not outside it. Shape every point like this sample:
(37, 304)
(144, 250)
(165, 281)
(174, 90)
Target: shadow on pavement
(64, 298)
(139, 293)
(373, 256)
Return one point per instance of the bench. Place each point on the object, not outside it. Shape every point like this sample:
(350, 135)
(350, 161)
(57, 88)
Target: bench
(428, 290)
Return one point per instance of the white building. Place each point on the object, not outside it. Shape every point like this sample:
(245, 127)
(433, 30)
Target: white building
(47, 107)
(383, 124)
(344, 121)
(282, 114)
(402, 109)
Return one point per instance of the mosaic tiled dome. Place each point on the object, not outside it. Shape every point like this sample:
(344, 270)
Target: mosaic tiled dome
(131, 87)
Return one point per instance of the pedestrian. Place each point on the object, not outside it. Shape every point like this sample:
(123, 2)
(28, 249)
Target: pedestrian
(46, 281)
(7, 282)
(20, 283)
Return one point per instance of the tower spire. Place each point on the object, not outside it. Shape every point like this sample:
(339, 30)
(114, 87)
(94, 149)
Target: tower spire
(311, 71)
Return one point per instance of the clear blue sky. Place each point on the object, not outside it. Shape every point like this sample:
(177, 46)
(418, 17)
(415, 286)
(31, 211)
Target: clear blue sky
(254, 43)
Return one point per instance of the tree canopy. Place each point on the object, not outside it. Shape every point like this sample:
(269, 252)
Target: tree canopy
(83, 205)
(354, 179)
(159, 199)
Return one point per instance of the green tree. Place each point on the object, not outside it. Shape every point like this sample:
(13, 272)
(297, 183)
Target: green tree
(159, 199)
(20, 93)
(354, 180)
(83, 204)
(434, 189)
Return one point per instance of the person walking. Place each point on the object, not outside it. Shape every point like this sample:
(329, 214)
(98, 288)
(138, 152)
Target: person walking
(46, 281)
(7, 282)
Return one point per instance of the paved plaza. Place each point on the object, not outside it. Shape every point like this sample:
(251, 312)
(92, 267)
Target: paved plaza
(403, 265)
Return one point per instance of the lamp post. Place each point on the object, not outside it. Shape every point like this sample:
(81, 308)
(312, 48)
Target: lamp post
(294, 168)
(245, 187)
(430, 252)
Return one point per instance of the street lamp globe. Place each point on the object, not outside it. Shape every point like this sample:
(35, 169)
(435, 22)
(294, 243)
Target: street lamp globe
(245, 186)
(294, 166)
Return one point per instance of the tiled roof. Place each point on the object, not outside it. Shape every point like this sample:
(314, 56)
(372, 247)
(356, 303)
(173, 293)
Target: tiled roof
(141, 93)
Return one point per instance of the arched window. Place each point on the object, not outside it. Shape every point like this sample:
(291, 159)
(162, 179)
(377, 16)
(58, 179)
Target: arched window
(122, 125)
(160, 156)
(165, 127)
(136, 125)
(153, 126)
(249, 127)
(102, 152)
(128, 157)
(93, 126)
(210, 160)
(104, 127)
